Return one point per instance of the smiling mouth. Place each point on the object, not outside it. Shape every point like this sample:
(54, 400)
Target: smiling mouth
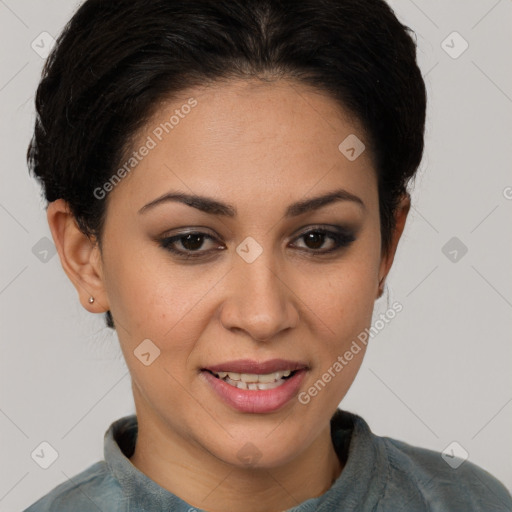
(254, 382)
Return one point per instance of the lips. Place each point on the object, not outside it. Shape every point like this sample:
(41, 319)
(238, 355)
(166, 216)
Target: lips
(256, 387)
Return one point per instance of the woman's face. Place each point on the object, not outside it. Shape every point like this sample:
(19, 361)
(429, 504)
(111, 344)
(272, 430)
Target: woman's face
(260, 282)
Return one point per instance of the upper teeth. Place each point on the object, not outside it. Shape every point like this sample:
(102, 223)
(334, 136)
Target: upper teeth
(252, 377)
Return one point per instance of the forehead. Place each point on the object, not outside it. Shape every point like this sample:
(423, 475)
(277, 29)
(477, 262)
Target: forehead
(246, 138)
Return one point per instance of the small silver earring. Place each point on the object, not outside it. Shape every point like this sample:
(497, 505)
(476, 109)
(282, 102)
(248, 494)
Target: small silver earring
(91, 300)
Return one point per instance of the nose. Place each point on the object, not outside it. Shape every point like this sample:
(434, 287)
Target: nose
(258, 300)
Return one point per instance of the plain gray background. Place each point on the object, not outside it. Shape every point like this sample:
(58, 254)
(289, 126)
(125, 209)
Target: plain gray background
(438, 373)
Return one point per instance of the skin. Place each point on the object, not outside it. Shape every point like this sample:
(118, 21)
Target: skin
(259, 147)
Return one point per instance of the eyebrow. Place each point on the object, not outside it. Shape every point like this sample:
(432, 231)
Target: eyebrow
(214, 207)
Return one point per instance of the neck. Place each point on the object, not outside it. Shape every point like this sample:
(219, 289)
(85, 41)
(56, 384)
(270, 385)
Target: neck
(204, 481)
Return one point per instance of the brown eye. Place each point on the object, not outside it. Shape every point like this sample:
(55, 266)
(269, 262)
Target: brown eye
(315, 239)
(187, 244)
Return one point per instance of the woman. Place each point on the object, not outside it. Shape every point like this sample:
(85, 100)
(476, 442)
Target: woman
(227, 182)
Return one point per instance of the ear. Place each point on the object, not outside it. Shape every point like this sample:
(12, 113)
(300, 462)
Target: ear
(401, 213)
(79, 255)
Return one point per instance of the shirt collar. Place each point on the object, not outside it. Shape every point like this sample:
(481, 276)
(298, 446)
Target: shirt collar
(360, 483)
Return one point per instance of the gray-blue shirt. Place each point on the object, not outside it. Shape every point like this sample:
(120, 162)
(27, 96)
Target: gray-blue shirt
(379, 475)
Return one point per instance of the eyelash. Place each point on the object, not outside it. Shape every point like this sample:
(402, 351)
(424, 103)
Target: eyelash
(341, 240)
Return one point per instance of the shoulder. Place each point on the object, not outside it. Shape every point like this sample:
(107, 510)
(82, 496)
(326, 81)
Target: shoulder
(90, 490)
(429, 478)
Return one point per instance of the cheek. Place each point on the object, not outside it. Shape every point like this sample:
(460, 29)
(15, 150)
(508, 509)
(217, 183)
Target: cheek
(161, 303)
(344, 296)
(146, 293)
(342, 303)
